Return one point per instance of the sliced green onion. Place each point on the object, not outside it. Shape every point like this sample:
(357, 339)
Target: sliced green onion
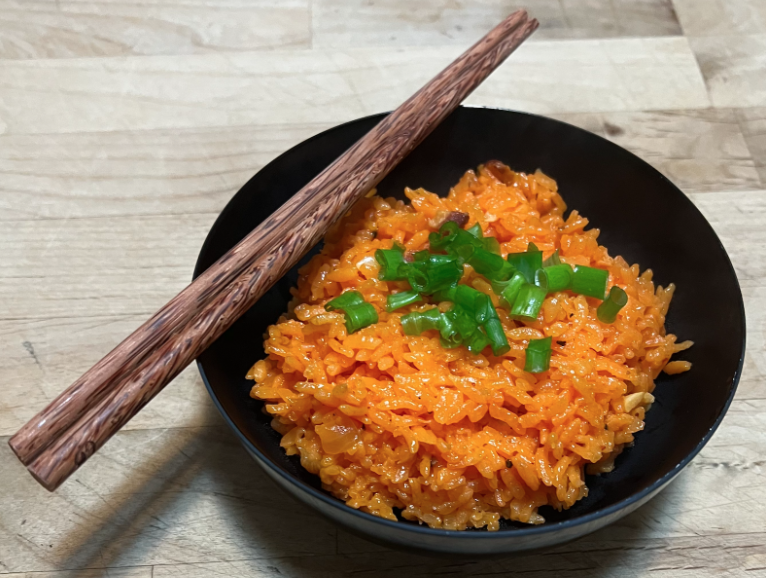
(348, 299)
(492, 266)
(511, 288)
(417, 276)
(448, 328)
(527, 263)
(446, 235)
(559, 277)
(436, 260)
(473, 302)
(452, 238)
(421, 256)
(541, 279)
(392, 263)
(616, 300)
(463, 252)
(531, 247)
(464, 238)
(438, 272)
(360, 316)
(590, 281)
(443, 276)
(397, 300)
(417, 322)
(465, 323)
(476, 231)
(538, 355)
(446, 294)
(477, 341)
(409, 324)
(496, 336)
(459, 326)
(552, 260)
(358, 312)
(491, 244)
(528, 302)
(495, 331)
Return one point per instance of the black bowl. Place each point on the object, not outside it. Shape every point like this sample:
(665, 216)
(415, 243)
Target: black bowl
(642, 216)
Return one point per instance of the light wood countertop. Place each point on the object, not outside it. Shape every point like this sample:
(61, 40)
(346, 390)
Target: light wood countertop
(126, 126)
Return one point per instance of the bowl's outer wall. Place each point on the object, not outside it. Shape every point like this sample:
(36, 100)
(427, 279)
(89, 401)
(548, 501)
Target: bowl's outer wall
(453, 543)
(641, 215)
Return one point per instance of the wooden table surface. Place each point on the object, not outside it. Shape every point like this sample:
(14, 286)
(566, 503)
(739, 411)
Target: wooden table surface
(126, 126)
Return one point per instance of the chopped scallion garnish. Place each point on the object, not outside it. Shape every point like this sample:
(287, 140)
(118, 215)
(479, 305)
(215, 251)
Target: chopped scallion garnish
(473, 302)
(398, 300)
(358, 312)
(446, 235)
(495, 331)
(417, 322)
(527, 263)
(528, 302)
(475, 230)
(392, 264)
(448, 328)
(417, 276)
(511, 288)
(446, 294)
(453, 239)
(559, 277)
(492, 245)
(492, 266)
(360, 316)
(477, 341)
(497, 338)
(552, 260)
(616, 300)
(437, 272)
(348, 299)
(538, 355)
(541, 279)
(590, 281)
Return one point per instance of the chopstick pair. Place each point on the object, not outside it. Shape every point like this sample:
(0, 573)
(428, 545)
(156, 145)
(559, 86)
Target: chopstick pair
(79, 421)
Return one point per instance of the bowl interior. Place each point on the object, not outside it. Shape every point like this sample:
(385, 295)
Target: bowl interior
(642, 216)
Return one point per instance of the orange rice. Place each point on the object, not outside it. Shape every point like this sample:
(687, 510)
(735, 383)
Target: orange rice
(456, 440)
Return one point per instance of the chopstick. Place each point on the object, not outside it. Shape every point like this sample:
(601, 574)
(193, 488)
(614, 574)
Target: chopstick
(70, 429)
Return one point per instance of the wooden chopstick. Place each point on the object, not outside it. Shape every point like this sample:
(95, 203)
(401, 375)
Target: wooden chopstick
(80, 420)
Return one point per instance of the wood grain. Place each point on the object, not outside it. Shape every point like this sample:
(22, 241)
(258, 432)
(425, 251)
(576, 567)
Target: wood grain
(333, 86)
(721, 17)
(753, 124)
(210, 305)
(134, 173)
(734, 68)
(196, 492)
(342, 23)
(38, 355)
(72, 28)
(57, 287)
(699, 150)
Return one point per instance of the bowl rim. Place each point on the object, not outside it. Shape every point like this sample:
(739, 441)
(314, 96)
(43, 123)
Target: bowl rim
(543, 529)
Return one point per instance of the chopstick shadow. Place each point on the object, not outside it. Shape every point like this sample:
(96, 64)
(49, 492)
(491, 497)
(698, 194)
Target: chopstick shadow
(133, 513)
(253, 520)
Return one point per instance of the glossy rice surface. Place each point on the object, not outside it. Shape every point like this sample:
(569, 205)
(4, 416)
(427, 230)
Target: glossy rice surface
(395, 423)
